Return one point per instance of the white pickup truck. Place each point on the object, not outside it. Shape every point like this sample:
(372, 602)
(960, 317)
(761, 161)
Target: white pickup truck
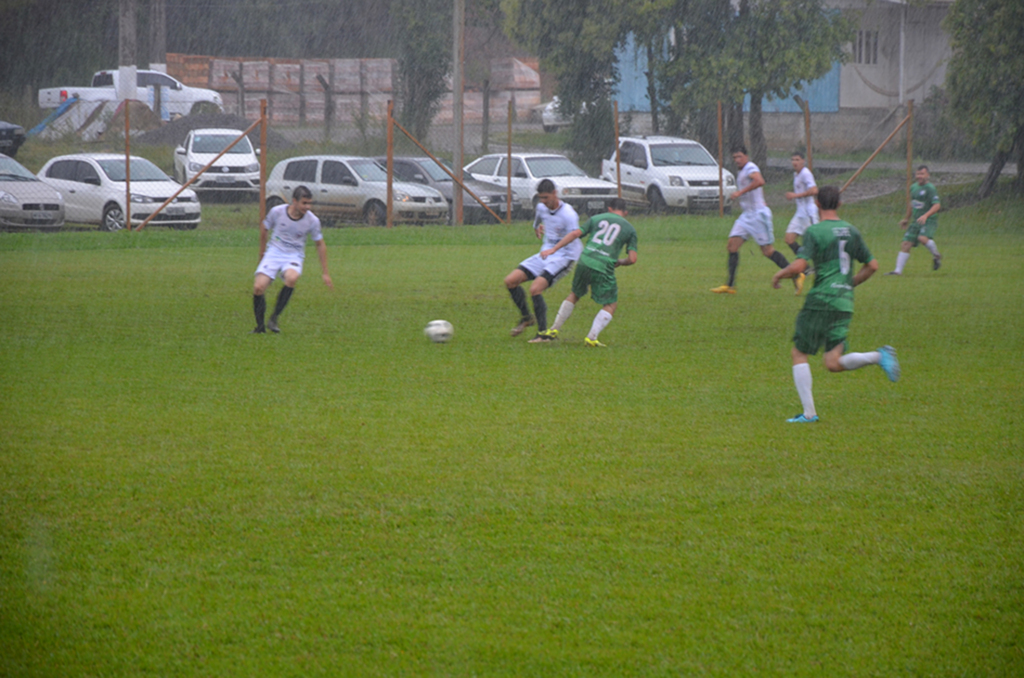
(176, 99)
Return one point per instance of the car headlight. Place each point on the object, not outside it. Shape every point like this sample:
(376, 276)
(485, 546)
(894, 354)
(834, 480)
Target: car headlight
(194, 167)
(729, 181)
(401, 197)
(676, 181)
(254, 167)
(485, 198)
(9, 199)
(570, 191)
(142, 198)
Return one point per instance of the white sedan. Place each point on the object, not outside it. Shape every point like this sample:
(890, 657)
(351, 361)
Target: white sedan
(93, 186)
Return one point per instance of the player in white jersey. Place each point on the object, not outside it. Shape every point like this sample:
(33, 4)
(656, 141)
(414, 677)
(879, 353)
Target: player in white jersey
(552, 221)
(755, 222)
(804, 190)
(287, 227)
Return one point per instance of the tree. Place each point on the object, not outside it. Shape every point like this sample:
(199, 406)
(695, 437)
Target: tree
(424, 30)
(782, 44)
(984, 79)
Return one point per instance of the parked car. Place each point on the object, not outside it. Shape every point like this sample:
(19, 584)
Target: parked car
(238, 170)
(586, 195)
(11, 138)
(673, 172)
(348, 188)
(551, 117)
(25, 201)
(177, 99)
(423, 170)
(93, 187)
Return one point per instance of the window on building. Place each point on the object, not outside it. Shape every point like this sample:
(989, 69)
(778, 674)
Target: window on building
(865, 49)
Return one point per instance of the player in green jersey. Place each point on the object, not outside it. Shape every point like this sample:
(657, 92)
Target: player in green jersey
(609, 234)
(924, 205)
(832, 244)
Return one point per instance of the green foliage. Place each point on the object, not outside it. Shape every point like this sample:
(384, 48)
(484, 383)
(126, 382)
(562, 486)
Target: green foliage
(181, 498)
(424, 34)
(984, 74)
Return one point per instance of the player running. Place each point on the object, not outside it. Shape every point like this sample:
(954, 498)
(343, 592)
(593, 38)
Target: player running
(755, 221)
(924, 205)
(287, 227)
(832, 244)
(804, 190)
(552, 220)
(609, 234)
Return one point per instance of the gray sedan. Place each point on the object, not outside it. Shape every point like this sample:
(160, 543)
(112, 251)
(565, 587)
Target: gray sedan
(25, 201)
(423, 170)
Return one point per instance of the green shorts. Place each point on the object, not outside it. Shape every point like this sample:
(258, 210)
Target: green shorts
(814, 328)
(605, 287)
(915, 229)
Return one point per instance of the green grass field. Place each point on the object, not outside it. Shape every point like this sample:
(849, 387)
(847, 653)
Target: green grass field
(181, 498)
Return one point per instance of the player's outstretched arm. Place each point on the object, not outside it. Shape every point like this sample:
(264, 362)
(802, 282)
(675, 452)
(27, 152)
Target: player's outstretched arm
(865, 272)
(628, 261)
(569, 237)
(321, 251)
(795, 268)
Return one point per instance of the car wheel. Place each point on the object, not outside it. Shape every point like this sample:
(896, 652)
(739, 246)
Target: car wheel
(273, 201)
(113, 218)
(374, 214)
(656, 200)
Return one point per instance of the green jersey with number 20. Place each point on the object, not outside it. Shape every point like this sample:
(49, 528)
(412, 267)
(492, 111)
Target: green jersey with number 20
(833, 246)
(609, 233)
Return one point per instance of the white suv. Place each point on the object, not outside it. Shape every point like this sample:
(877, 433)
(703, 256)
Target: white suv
(238, 170)
(674, 172)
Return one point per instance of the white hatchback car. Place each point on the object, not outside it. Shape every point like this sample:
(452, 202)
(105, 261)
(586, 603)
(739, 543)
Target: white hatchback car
(347, 188)
(93, 186)
(238, 170)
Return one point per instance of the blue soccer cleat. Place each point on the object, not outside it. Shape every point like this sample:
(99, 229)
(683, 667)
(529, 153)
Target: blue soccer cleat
(889, 364)
(801, 419)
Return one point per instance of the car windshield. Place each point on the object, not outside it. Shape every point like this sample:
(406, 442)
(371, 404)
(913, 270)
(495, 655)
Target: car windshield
(10, 170)
(553, 166)
(215, 143)
(142, 170)
(435, 171)
(668, 155)
(368, 170)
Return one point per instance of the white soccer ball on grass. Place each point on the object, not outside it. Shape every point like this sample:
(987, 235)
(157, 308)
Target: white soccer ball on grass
(439, 331)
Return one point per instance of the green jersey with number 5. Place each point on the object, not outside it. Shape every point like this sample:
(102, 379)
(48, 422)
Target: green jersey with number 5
(833, 246)
(609, 233)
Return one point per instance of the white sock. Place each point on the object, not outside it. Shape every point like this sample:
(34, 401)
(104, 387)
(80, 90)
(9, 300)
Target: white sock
(601, 321)
(802, 379)
(564, 311)
(855, 361)
(901, 261)
(932, 247)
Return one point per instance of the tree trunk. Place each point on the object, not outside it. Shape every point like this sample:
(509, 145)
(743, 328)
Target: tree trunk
(652, 88)
(735, 133)
(758, 145)
(992, 176)
(485, 133)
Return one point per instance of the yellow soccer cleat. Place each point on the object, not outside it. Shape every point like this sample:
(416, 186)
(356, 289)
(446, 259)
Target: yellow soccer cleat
(587, 341)
(723, 289)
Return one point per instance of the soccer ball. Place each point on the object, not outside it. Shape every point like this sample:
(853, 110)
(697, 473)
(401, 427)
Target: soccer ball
(439, 331)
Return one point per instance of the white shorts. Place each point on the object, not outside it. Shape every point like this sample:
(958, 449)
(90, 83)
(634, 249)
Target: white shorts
(756, 224)
(556, 268)
(801, 221)
(275, 261)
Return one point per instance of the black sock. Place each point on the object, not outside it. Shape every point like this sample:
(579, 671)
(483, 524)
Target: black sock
(259, 307)
(540, 309)
(734, 263)
(282, 300)
(795, 247)
(779, 259)
(519, 297)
